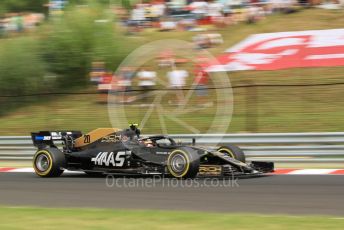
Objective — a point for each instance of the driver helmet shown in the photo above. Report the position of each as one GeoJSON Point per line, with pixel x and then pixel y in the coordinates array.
{"type": "Point", "coordinates": [148, 143]}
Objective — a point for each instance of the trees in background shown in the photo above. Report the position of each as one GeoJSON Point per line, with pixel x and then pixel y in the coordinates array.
{"type": "Point", "coordinates": [23, 6]}
{"type": "Point", "coordinates": [63, 48]}
{"type": "Point", "coordinates": [80, 36]}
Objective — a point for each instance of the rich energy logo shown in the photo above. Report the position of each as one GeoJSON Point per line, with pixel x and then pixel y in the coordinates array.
{"type": "Point", "coordinates": [210, 170]}
{"type": "Point", "coordinates": [112, 138]}
{"type": "Point", "coordinates": [109, 159]}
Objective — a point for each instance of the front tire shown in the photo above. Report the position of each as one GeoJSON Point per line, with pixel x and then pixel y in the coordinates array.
{"type": "Point", "coordinates": [233, 151]}
{"type": "Point", "coordinates": [49, 162]}
{"type": "Point", "coordinates": [183, 163]}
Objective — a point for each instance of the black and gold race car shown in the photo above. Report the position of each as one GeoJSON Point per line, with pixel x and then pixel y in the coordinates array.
{"type": "Point", "coordinates": [110, 150]}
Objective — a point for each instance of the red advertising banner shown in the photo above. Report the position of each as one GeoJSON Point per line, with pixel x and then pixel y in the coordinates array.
{"type": "Point", "coordinates": [273, 51]}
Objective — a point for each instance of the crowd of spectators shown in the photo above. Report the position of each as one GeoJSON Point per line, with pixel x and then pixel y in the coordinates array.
{"type": "Point", "coordinates": [189, 15]}
{"type": "Point", "coordinates": [19, 22]}
{"type": "Point", "coordinates": [136, 85]}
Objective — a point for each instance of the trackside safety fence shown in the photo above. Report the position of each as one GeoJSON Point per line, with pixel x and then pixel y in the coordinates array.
{"type": "Point", "coordinates": [278, 147]}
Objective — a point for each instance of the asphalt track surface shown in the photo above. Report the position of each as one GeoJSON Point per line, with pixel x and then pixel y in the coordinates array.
{"type": "Point", "coordinates": [284, 194]}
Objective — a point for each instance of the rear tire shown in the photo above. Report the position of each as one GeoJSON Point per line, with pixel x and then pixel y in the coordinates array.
{"type": "Point", "coordinates": [233, 151]}
{"type": "Point", "coordinates": [183, 163]}
{"type": "Point", "coordinates": [49, 162]}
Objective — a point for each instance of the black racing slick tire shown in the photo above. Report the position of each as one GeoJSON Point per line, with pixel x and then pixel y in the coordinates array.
{"type": "Point", "coordinates": [49, 162]}
{"type": "Point", "coordinates": [233, 151]}
{"type": "Point", "coordinates": [183, 163]}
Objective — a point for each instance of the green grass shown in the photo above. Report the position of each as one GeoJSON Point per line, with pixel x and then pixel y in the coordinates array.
{"type": "Point", "coordinates": [274, 109]}
{"type": "Point", "coordinates": [43, 218]}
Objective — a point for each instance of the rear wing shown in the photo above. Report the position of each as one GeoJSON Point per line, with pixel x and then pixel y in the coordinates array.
{"type": "Point", "coordinates": [47, 138]}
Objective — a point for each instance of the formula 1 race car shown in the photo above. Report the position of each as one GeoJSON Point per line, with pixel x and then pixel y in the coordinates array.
{"type": "Point", "coordinates": [109, 150]}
